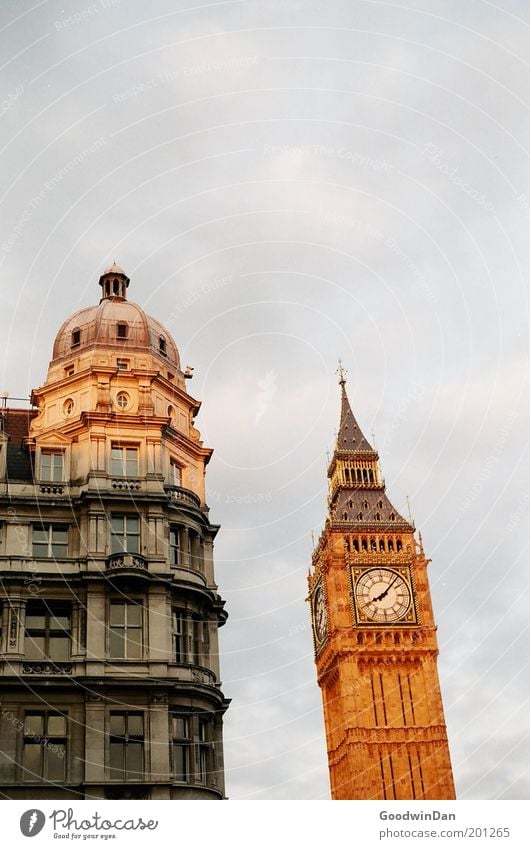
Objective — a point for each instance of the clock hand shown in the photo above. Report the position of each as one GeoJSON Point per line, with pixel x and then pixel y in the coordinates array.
{"type": "Point", "coordinates": [383, 594]}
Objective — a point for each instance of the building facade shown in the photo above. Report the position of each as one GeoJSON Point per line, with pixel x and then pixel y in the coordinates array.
{"type": "Point", "coordinates": [109, 670]}
{"type": "Point", "coordinates": [375, 638]}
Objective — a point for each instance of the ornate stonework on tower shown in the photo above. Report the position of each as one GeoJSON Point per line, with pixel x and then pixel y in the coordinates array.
{"type": "Point", "coordinates": [375, 637]}
{"type": "Point", "coordinates": [109, 610]}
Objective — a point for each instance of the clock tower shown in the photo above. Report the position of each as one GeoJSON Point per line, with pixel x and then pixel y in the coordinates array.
{"type": "Point", "coordinates": [375, 637]}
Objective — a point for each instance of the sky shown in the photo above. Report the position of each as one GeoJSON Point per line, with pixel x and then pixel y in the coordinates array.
{"type": "Point", "coordinates": [287, 183]}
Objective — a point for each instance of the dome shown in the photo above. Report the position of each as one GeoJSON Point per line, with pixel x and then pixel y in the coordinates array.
{"type": "Point", "coordinates": [115, 322]}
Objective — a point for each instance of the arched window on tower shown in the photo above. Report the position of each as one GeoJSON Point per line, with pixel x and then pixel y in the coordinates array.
{"type": "Point", "coordinates": [116, 287]}
{"type": "Point", "coordinates": [381, 545]}
{"type": "Point", "coordinates": [399, 545]}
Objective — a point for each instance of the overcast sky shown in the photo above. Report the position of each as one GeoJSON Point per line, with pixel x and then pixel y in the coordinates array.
{"type": "Point", "coordinates": [287, 182]}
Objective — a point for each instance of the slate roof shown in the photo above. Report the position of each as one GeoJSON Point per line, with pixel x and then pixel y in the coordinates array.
{"type": "Point", "coordinates": [350, 437]}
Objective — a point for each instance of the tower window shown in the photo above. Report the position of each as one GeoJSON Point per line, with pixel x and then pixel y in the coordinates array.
{"type": "Point", "coordinates": [69, 370]}
{"type": "Point", "coordinates": [345, 516]}
{"type": "Point", "coordinates": [76, 337]}
{"type": "Point", "coordinates": [350, 503]}
{"type": "Point", "coordinates": [126, 746]}
{"type": "Point", "coordinates": [116, 287]}
{"type": "Point", "coordinates": [51, 465]}
{"type": "Point", "coordinates": [365, 505]}
{"type": "Point", "coordinates": [359, 515]}
{"type": "Point", "coordinates": [125, 533]}
{"type": "Point", "coordinates": [122, 330]}
{"type": "Point", "coordinates": [381, 545]}
{"type": "Point", "coordinates": [399, 545]}
{"type": "Point", "coordinates": [123, 365]}
{"type": "Point", "coordinates": [44, 746]}
{"type": "Point", "coordinates": [125, 630]}
{"type": "Point", "coordinates": [378, 517]}
{"type": "Point", "coordinates": [47, 634]}
{"type": "Point", "coordinates": [380, 505]}
{"type": "Point", "coordinates": [162, 346]}
{"type": "Point", "coordinates": [392, 517]}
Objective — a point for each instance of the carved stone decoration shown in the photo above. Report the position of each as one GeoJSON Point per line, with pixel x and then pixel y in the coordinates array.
{"type": "Point", "coordinates": [13, 627]}
{"type": "Point", "coordinates": [37, 667]}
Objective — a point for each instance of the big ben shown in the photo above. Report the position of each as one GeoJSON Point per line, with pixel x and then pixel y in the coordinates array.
{"type": "Point", "coordinates": [375, 637]}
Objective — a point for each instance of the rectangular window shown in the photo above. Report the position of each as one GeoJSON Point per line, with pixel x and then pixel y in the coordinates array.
{"type": "Point", "coordinates": [50, 541]}
{"type": "Point", "coordinates": [126, 749]}
{"type": "Point", "coordinates": [175, 473]}
{"type": "Point", "coordinates": [126, 631]}
{"type": "Point", "coordinates": [124, 461]}
{"type": "Point", "coordinates": [181, 747]}
{"type": "Point", "coordinates": [44, 746]}
{"type": "Point", "coordinates": [190, 638]}
{"type": "Point", "coordinates": [121, 330]}
{"type": "Point", "coordinates": [123, 365]}
{"type": "Point", "coordinates": [125, 533]}
{"type": "Point", "coordinates": [204, 748]}
{"type": "Point", "coordinates": [174, 545]}
{"type": "Point", "coordinates": [47, 633]}
{"type": "Point", "coordinates": [68, 371]}
{"type": "Point", "coordinates": [51, 466]}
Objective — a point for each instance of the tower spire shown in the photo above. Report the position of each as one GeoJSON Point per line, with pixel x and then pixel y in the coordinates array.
{"type": "Point", "coordinates": [350, 436]}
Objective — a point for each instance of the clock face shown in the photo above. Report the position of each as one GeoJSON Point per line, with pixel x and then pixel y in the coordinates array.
{"type": "Point", "coordinates": [320, 614]}
{"type": "Point", "coordinates": [382, 595]}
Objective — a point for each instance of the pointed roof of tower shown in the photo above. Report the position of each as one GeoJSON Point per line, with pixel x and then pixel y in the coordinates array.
{"type": "Point", "coordinates": [350, 436]}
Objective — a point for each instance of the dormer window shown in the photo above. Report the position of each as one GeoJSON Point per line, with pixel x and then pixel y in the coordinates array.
{"type": "Point", "coordinates": [122, 330]}
{"type": "Point", "coordinates": [162, 346]}
{"type": "Point", "coordinates": [380, 505]}
{"type": "Point", "coordinates": [365, 505]}
{"type": "Point", "coordinates": [76, 337]}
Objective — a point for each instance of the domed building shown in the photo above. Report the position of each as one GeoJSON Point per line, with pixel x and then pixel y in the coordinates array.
{"type": "Point", "coordinates": [109, 672]}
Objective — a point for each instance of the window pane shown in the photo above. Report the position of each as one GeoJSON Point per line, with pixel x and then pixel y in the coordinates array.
{"type": "Point", "coordinates": [60, 621]}
{"type": "Point", "coordinates": [132, 525]}
{"type": "Point", "coordinates": [33, 760]}
{"type": "Point", "coordinates": [180, 726]}
{"type": "Point", "coordinates": [135, 725]}
{"type": "Point", "coordinates": [34, 725]}
{"type": "Point", "coordinates": [59, 534]}
{"type": "Point", "coordinates": [34, 647]}
{"type": "Point", "coordinates": [117, 613]}
{"type": "Point", "coordinates": [135, 760]}
{"type": "Point", "coordinates": [132, 461]}
{"type": "Point", "coordinates": [57, 467]}
{"type": "Point", "coordinates": [46, 467]}
{"type": "Point", "coordinates": [56, 726]}
{"type": "Point", "coordinates": [34, 619]}
{"type": "Point", "coordinates": [55, 761]}
{"type": "Point", "coordinates": [59, 550]}
{"type": "Point", "coordinates": [117, 524]}
{"type": "Point", "coordinates": [40, 534]}
{"type": "Point", "coordinates": [117, 644]}
{"type": "Point", "coordinates": [40, 550]}
{"type": "Point", "coordinates": [134, 614]}
{"type": "Point", "coordinates": [134, 644]}
{"type": "Point", "coordinates": [133, 544]}
{"type": "Point", "coordinates": [59, 648]}
{"type": "Point", "coordinates": [181, 762]}
{"type": "Point", "coordinates": [116, 760]}
{"type": "Point", "coordinates": [116, 456]}
{"type": "Point", "coordinates": [117, 724]}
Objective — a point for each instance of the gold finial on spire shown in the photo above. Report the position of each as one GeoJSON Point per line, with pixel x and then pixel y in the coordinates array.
{"type": "Point", "coordinates": [342, 372]}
